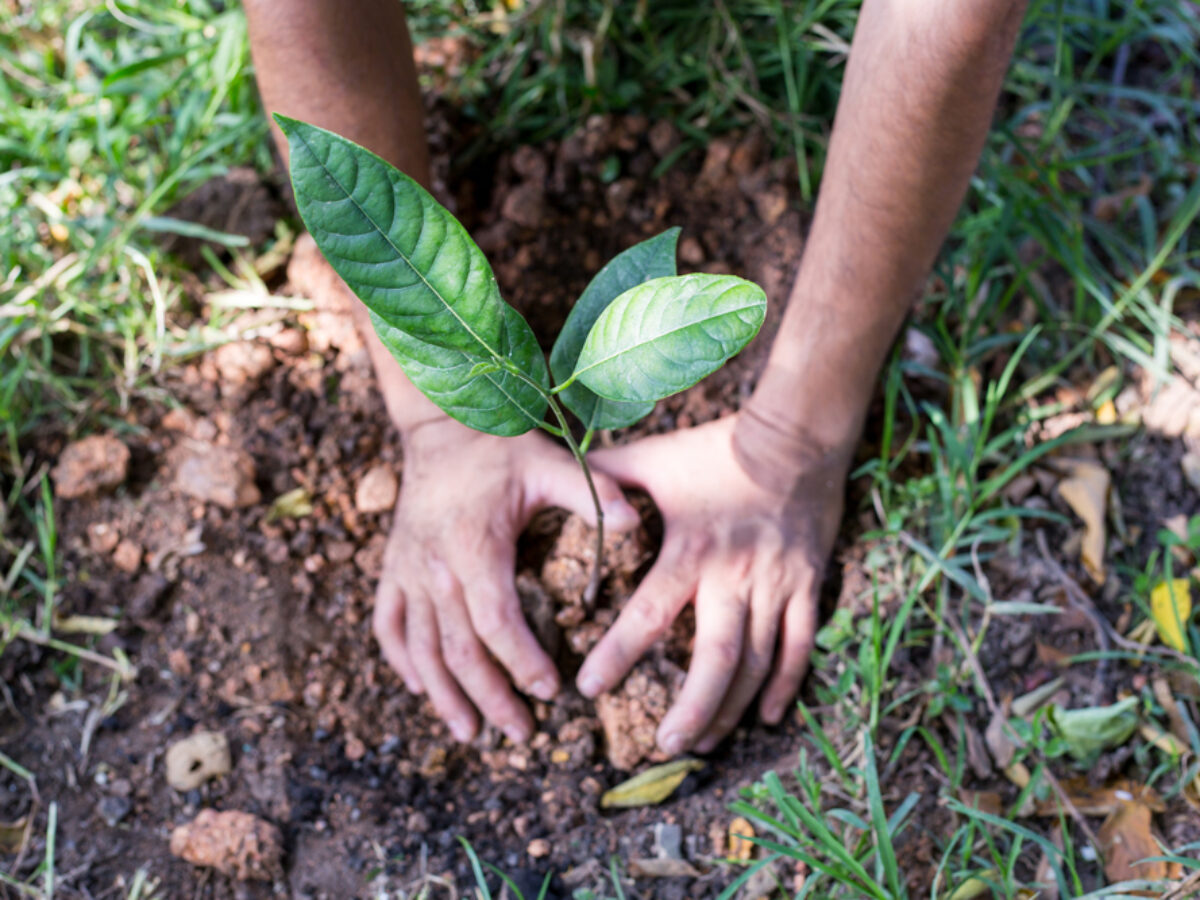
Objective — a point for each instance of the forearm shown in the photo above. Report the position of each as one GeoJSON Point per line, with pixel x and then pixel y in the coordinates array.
{"type": "Point", "coordinates": [354, 75]}
{"type": "Point", "coordinates": [920, 88]}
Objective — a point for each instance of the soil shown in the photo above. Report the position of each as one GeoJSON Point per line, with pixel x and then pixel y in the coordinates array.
{"type": "Point", "coordinates": [247, 613]}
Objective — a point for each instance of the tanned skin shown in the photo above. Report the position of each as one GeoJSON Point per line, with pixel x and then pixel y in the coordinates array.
{"type": "Point", "coordinates": [751, 503]}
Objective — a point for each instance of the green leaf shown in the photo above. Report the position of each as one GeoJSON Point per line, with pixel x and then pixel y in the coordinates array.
{"type": "Point", "coordinates": [653, 258]}
{"type": "Point", "coordinates": [398, 249]}
{"type": "Point", "coordinates": [663, 336]}
{"type": "Point", "coordinates": [476, 392]}
{"type": "Point", "coordinates": [1089, 731]}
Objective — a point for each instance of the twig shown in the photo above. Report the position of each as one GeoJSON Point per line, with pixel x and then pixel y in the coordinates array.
{"type": "Point", "coordinates": [1189, 887]}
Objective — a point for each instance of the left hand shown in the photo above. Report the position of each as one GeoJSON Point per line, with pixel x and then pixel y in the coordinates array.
{"type": "Point", "coordinates": [752, 561]}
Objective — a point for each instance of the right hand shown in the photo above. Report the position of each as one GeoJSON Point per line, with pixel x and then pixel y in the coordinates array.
{"type": "Point", "coordinates": [447, 616]}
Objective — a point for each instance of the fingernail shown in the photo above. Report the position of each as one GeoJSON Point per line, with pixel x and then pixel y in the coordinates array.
{"type": "Point", "coordinates": [673, 743]}
{"type": "Point", "coordinates": [543, 689]}
{"type": "Point", "coordinates": [589, 685]}
{"type": "Point", "coordinates": [516, 734]}
{"type": "Point", "coordinates": [461, 729]}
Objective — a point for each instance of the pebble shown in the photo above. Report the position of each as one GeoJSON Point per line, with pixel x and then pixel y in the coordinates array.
{"type": "Point", "coordinates": [220, 475]}
{"type": "Point", "coordinates": [234, 843]}
{"type": "Point", "coordinates": [538, 848]}
{"type": "Point", "coordinates": [128, 556]}
{"type": "Point", "coordinates": [377, 490]}
{"type": "Point", "coordinates": [193, 760]}
{"type": "Point", "coordinates": [95, 463]}
{"type": "Point", "coordinates": [113, 809]}
{"type": "Point", "coordinates": [103, 537]}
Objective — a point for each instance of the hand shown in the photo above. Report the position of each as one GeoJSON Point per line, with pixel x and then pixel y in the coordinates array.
{"type": "Point", "coordinates": [447, 616]}
{"type": "Point", "coordinates": [750, 558]}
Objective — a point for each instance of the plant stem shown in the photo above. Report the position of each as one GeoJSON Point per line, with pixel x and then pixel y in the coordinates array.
{"type": "Point", "coordinates": [593, 587]}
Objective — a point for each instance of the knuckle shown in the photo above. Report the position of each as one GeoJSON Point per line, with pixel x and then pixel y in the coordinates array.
{"type": "Point", "coordinates": [756, 666]}
{"type": "Point", "coordinates": [459, 654]}
{"type": "Point", "coordinates": [494, 619]}
{"type": "Point", "coordinates": [725, 653]}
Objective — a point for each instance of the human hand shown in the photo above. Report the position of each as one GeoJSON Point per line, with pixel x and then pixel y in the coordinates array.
{"type": "Point", "coordinates": [750, 558]}
{"type": "Point", "coordinates": [447, 616]}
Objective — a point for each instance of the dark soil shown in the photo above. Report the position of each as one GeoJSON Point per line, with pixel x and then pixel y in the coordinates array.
{"type": "Point", "coordinates": [259, 627]}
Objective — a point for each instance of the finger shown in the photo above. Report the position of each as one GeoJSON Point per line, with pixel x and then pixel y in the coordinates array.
{"type": "Point", "coordinates": [667, 588]}
{"type": "Point", "coordinates": [496, 617]}
{"type": "Point", "coordinates": [795, 646]}
{"type": "Point", "coordinates": [762, 632]}
{"type": "Point", "coordinates": [424, 644]}
{"type": "Point", "coordinates": [387, 621]}
{"type": "Point", "coordinates": [558, 481]}
{"type": "Point", "coordinates": [474, 670]}
{"type": "Point", "coordinates": [720, 625]}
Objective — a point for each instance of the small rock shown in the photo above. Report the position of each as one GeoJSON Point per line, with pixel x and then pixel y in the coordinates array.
{"type": "Point", "coordinates": [771, 203]}
{"type": "Point", "coordinates": [370, 558]}
{"type": "Point", "coordinates": [95, 463]}
{"type": "Point", "coordinates": [525, 205]}
{"type": "Point", "coordinates": [668, 841]}
{"type": "Point", "coordinates": [664, 137]}
{"type": "Point", "coordinates": [417, 823]}
{"type": "Point", "coordinates": [242, 362]}
{"type": "Point", "coordinates": [220, 475]}
{"type": "Point", "coordinates": [690, 251]}
{"type": "Point", "coordinates": [292, 341]}
{"type": "Point", "coordinates": [128, 556]}
{"type": "Point", "coordinates": [530, 163]}
{"type": "Point", "coordinates": [377, 491]}
{"type": "Point", "coordinates": [147, 593]}
{"type": "Point", "coordinates": [103, 537]}
{"type": "Point", "coordinates": [195, 759]}
{"type": "Point", "coordinates": [538, 848]}
{"type": "Point", "coordinates": [716, 160]}
{"type": "Point", "coordinates": [617, 196]}
{"type": "Point", "coordinates": [113, 809]}
{"type": "Point", "coordinates": [178, 419]}
{"type": "Point", "coordinates": [234, 843]}
{"type": "Point", "coordinates": [355, 748]}
{"type": "Point", "coordinates": [178, 662]}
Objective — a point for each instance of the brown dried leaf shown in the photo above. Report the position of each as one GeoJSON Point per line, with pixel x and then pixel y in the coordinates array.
{"type": "Point", "coordinates": [1085, 490]}
{"type": "Point", "coordinates": [662, 868]}
{"type": "Point", "coordinates": [1091, 800]}
{"type": "Point", "coordinates": [1126, 839]}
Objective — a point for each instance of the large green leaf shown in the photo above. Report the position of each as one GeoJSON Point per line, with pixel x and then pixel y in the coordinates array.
{"type": "Point", "coordinates": [663, 336]}
{"type": "Point", "coordinates": [653, 258]}
{"type": "Point", "coordinates": [493, 400]}
{"type": "Point", "coordinates": [398, 249]}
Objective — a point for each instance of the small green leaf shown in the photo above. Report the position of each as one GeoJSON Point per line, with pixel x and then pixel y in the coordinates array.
{"type": "Point", "coordinates": [398, 249]}
{"type": "Point", "coordinates": [663, 336]}
{"type": "Point", "coordinates": [1089, 731]}
{"type": "Point", "coordinates": [478, 393]}
{"type": "Point", "coordinates": [653, 786]}
{"type": "Point", "coordinates": [653, 258]}
{"type": "Point", "coordinates": [295, 504]}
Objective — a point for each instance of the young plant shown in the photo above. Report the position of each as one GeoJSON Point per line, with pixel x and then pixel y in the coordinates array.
{"type": "Point", "coordinates": [637, 334]}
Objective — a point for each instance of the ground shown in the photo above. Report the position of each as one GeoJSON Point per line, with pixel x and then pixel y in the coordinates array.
{"type": "Point", "coordinates": [229, 529]}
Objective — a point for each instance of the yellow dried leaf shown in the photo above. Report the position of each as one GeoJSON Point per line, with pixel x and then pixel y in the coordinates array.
{"type": "Point", "coordinates": [13, 835]}
{"type": "Point", "coordinates": [1085, 490]}
{"type": "Point", "coordinates": [741, 844]}
{"type": "Point", "coordinates": [1171, 607]}
{"type": "Point", "coordinates": [1163, 740]}
{"type": "Point", "coordinates": [1106, 414]}
{"type": "Point", "coordinates": [97, 625]}
{"type": "Point", "coordinates": [976, 887]}
{"type": "Point", "coordinates": [653, 786]}
{"type": "Point", "coordinates": [295, 504]}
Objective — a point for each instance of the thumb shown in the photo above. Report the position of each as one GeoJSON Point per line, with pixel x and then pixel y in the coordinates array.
{"type": "Point", "coordinates": [561, 482]}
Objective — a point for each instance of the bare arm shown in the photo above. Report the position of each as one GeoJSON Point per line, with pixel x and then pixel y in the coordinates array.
{"type": "Point", "coordinates": [752, 503]}
{"type": "Point", "coordinates": [446, 615]}
{"type": "Point", "coordinates": [920, 88]}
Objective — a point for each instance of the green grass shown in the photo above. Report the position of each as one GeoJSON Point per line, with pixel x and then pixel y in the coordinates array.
{"type": "Point", "coordinates": [110, 114]}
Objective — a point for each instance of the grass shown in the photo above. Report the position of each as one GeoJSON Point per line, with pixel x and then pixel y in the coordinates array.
{"type": "Point", "coordinates": [1072, 255]}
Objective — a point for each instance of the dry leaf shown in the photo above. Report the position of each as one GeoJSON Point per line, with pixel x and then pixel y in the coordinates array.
{"type": "Point", "coordinates": [13, 835]}
{"type": "Point", "coordinates": [653, 786]}
{"type": "Point", "coordinates": [1126, 840]}
{"type": "Point", "coordinates": [1171, 608]}
{"type": "Point", "coordinates": [95, 625]}
{"type": "Point", "coordinates": [976, 887]}
{"type": "Point", "coordinates": [1163, 740]}
{"type": "Point", "coordinates": [741, 834]}
{"type": "Point", "coordinates": [1091, 800]}
{"type": "Point", "coordinates": [295, 504]}
{"type": "Point", "coordinates": [1106, 414]}
{"type": "Point", "coordinates": [989, 802]}
{"type": "Point", "coordinates": [662, 868]}
{"type": "Point", "coordinates": [1085, 490]}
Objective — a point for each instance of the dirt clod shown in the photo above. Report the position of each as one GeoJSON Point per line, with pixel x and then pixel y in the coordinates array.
{"type": "Point", "coordinates": [234, 843]}
{"type": "Point", "coordinates": [127, 556]}
{"type": "Point", "coordinates": [630, 715]}
{"type": "Point", "coordinates": [196, 759]}
{"type": "Point", "coordinates": [97, 462]}
{"type": "Point", "coordinates": [377, 491]}
{"type": "Point", "coordinates": [220, 475]}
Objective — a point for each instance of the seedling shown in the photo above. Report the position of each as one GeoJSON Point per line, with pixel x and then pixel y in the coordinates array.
{"type": "Point", "coordinates": [637, 334]}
